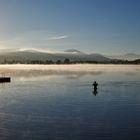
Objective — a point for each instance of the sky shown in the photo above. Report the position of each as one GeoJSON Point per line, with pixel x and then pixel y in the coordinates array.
{"type": "Point", "coordinates": [93, 26]}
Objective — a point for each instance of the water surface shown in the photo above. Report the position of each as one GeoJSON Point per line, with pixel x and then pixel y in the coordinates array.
{"type": "Point", "coordinates": [38, 105]}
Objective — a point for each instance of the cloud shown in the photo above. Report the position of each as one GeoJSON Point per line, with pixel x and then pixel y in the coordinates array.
{"type": "Point", "coordinates": [34, 39]}
{"type": "Point", "coordinates": [43, 50]}
{"type": "Point", "coordinates": [58, 37]}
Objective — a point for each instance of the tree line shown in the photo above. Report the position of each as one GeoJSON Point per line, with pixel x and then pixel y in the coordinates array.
{"type": "Point", "coordinates": [68, 61]}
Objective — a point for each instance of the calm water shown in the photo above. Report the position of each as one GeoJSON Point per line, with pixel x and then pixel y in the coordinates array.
{"type": "Point", "coordinates": [64, 107]}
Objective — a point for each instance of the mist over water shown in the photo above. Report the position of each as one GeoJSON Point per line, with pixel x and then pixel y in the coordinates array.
{"type": "Point", "coordinates": [48, 103]}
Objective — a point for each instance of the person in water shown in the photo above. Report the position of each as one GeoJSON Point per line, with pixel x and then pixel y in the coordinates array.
{"type": "Point", "coordinates": [95, 84]}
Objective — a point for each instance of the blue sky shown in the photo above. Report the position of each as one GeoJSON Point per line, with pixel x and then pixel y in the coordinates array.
{"type": "Point", "coordinates": [97, 26]}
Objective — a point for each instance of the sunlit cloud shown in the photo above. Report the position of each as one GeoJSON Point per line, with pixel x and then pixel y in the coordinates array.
{"type": "Point", "coordinates": [42, 50]}
{"type": "Point", "coordinates": [58, 37]}
{"type": "Point", "coordinates": [34, 40]}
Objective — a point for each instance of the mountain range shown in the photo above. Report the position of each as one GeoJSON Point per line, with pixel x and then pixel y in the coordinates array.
{"type": "Point", "coordinates": [128, 56]}
{"type": "Point", "coordinates": [72, 54]}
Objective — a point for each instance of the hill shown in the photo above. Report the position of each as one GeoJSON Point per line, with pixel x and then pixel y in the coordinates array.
{"type": "Point", "coordinates": [31, 55]}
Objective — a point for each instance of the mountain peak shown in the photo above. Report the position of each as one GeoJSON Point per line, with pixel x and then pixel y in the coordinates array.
{"type": "Point", "coordinates": [73, 51]}
{"type": "Point", "coordinates": [130, 54]}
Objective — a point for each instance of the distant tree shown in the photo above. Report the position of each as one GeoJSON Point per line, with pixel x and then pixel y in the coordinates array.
{"type": "Point", "coordinates": [49, 62]}
{"type": "Point", "coordinates": [137, 61]}
{"type": "Point", "coordinates": [58, 62]}
{"type": "Point", "coordinates": [66, 61]}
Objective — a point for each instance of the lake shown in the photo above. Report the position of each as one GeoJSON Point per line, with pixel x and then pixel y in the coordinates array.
{"type": "Point", "coordinates": [58, 102]}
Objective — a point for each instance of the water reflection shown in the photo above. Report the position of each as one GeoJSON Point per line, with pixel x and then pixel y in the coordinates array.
{"type": "Point", "coordinates": [95, 92]}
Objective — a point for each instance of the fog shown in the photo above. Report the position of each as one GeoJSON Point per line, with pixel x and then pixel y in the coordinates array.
{"type": "Point", "coordinates": [20, 70]}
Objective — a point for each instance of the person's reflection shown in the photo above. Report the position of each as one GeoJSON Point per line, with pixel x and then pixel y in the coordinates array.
{"type": "Point", "coordinates": [95, 92]}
